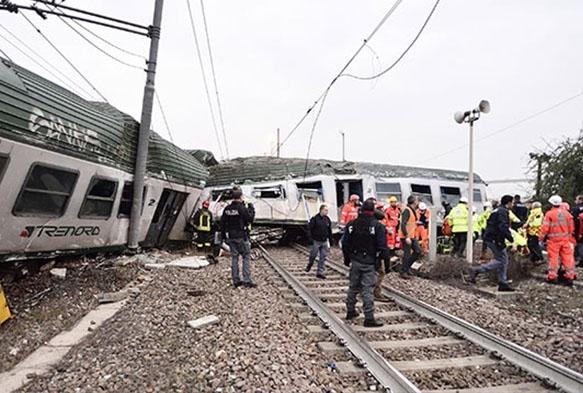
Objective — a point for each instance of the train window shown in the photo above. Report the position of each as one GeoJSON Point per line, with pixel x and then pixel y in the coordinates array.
{"type": "Point", "coordinates": [221, 195]}
{"type": "Point", "coordinates": [127, 196]}
{"type": "Point", "coordinates": [99, 199]}
{"type": "Point", "coordinates": [3, 165]}
{"type": "Point", "coordinates": [269, 192]}
{"type": "Point", "coordinates": [450, 194]}
{"type": "Point", "coordinates": [312, 190]}
{"type": "Point", "coordinates": [477, 195]}
{"type": "Point", "coordinates": [386, 190]}
{"type": "Point", "coordinates": [46, 192]}
{"type": "Point", "coordinates": [423, 192]}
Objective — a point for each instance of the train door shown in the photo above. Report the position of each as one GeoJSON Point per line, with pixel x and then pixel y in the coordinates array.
{"type": "Point", "coordinates": [345, 188]}
{"type": "Point", "coordinates": [163, 220]}
{"type": "Point", "coordinates": [311, 197]}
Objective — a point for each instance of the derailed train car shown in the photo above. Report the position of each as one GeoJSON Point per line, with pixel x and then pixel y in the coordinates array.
{"type": "Point", "coordinates": [286, 192]}
{"type": "Point", "coordinates": [66, 174]}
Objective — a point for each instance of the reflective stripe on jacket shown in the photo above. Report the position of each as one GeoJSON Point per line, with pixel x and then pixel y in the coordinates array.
{"type": "Point", "coordinates": [458, 218]}
{"type": "Point", "coordinates": [558, 225]}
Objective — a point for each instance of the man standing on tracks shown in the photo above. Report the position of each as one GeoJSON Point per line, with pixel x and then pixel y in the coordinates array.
{"type": "Point", "coordinates": [364, 245]}
{"type": "Point", "coordinates": [320, 234]}
{"type": "Point", "coordinates": [558, 228]}
{"type": "Point", "coordinates": [235, 221]}
{"type": "Point", "coordinates": [497, 231]}
{"type": "Point", "coordinates": [408, 235]}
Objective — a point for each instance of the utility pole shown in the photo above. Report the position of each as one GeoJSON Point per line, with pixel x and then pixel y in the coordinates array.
{"type": "Point", "coordinates": [278, 143]}
{"type": "Point", "coordinates": [144, 134]}
{"type": "Point", "coordinates": [343, 151]}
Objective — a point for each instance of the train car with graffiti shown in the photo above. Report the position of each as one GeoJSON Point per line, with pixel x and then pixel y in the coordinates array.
{"type": "Point", "coordinates": [286, 192]}
{"type": "Point", "coordinates": [66, 174]}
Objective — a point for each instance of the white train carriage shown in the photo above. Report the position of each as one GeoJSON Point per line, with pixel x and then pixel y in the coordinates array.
{"type": "Point", "coordinates": [66, 174]}
{"type": "Point", "coordinates": [286, 193]}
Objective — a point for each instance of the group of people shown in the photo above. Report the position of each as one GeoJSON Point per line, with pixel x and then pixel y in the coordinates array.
{"type": "Point", "coordinates": [234, 229]}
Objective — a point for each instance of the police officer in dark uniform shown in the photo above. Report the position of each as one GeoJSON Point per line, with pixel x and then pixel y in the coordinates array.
{"type": "Point", "coordinates": [364, 246]}
{"type": "Point", "coordinates": [235, 226]}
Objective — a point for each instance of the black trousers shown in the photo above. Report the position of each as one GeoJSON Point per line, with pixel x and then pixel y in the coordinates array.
{"type": "Point", "coordinates": [535, 251]}
{"type": "Point", "coordinates": [459, 243]}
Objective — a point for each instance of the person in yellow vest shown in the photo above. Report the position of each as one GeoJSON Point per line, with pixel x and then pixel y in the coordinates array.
{"type": "Point", "coordinates": [533, 225]}
{"type": "Point", "coordinates": [476, 229]}
{"type": "Point", "coordinates": [203, 222]}
{"type": "Point", "coordinates": [408, 235]}
{"type": "Point", "coordinates": [458, 218]}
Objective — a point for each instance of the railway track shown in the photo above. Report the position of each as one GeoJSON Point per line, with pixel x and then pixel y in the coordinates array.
{"type": "Point", "coordinates": [420, 348]}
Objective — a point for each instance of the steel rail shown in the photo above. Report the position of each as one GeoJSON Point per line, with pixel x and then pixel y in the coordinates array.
{"type": "Point", "coordinates": [387, 375]}
{"type": "Point", "coordinates": [546, 369]}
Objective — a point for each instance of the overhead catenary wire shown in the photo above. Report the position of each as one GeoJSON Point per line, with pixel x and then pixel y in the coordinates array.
{"type": "Point", "coordinates": [312, 132]}
{"type": "Point", "coordinates": [208, 42]}
{"type": "Point", "coordinates": [367, 78]}
{"type": "Point", "coordinates": [64, 57]}
{"type": "Point", "coordinates": [370, 36]}
{"type": "Point", "coordinates": [204, 78]}
{"type": "Point", "coordinates": [71, 85]}
{"type": "Point", "coordinates": [489, 135]}
{"type": "Point", "coordinates": [94, 45]}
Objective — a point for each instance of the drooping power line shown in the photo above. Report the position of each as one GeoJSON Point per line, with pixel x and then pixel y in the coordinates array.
{"type": "Point", "coordinates": [367, 78]}
{"type": "Point", "coordinates": [208, 42]}
{"type": "Point", "coordinates": [64, 57]}
{"type": "Point", "coordinates": [370, 36]}
{"type": "Point", "coordinates": [204, 79]}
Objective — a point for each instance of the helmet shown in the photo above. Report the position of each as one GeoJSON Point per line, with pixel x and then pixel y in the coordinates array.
{"type": "Point", "coordinates": [463, 200]}
{"type": "Point", "coordinates": [473, 209]}
{"type": "Point", "coordinates": [354, 197]}
{"type": "Point", "coordinates": [393, 199]}
{"type": "Point", "coordinates": [206, 204]}
{"type": "Point", "coordinates": [565, 206]}
{"type": "Point", "coordinates": [487, 205]}
{"type": "Point", "coordinates": [555, 200]}
{"type": "Point", "coordinates": [536, 204]}
{"type": "Point", "coordinates": [422, 206]}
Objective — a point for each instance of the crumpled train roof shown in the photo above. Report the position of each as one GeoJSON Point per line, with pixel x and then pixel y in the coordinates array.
{"type": "Point", "coordinates": [261, 169]}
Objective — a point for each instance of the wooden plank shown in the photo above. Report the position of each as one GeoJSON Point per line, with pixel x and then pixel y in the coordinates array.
{"type": "Point", "coordinates": [424, 342]}
{"type": "Point", "coordinates": [391, 327]}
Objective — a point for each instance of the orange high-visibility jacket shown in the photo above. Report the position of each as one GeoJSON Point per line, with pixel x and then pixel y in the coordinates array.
{"type": "Point", "coordinates": [410, 225]}
{"type": "Point", "coordinates": [349, 213]}
{"type": "Point", "coordinates": [557, 225]}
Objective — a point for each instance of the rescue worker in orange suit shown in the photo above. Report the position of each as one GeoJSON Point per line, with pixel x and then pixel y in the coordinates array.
{"type": "Point", "coordinates": [203, 222]}
{"type": "Point", "coordinates": [408, 235]}
{"type": "Point", "coordinates": [557, 229]}
{"type": "Point", "coordinates": [577, 213]}
{"type": "Point", "coordinates": [392, 214]}
{"type": "Point", "coordinates": [533, 226]}
{"type": "Point", "coordinates": [349, 211]}
{"type": "Point", "coordinates": [423, 226]}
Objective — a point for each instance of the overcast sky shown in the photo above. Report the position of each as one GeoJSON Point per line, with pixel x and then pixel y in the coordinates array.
{"type": "Point", "coordinates": [273, 59]}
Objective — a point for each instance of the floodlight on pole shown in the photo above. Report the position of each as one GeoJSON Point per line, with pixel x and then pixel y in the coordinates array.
{"type": "Point", "coordinates": [470, 117]}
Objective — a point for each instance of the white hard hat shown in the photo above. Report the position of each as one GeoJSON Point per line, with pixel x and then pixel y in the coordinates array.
{"type": "Point", "coordinates": [422, 206]}
{"type": "Point", "coordinates": [487, 204]}
{"type": "Point", "coordinates": [555, 200]}
{"type": "Point", "coordinates": [463, 200]}
{"type": "Point", "coordinates": [473, 209]}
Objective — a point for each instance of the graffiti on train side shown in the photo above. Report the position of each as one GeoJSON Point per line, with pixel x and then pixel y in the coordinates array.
{"type": "Point", "coordinates": [54, 127]}
{"type": "Point", "coordinates": [60, 231]}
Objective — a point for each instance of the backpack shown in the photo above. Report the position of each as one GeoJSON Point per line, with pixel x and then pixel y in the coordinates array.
{"type": "Point", "coordinates": [446, 228]}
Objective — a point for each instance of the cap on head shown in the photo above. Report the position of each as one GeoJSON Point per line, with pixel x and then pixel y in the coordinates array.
{"type": "Point", "coordinates": [555, 200]}
{"type": "Point", "coordinates": [422, 206]}
{"type": "Point", "coordinates": [206, 204]}
{"type": "Point", "coordinates": [393, 199]}
{"type": "Point", "coordinates": [463, 200]}
{"type": "Point", "coordinates": [354, 198]}
{"type": "Point", "coordinates": [506, 198]}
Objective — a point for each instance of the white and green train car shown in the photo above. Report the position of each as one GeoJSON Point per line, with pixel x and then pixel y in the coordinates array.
{"type": "Point", "coordinates": [286, 192]}
{"type": "Point", "coordinates": [66, 174]}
